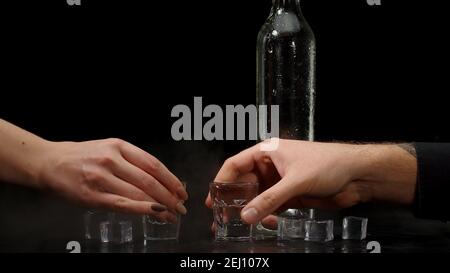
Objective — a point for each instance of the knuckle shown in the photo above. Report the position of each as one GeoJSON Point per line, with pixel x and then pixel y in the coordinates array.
{"type": "Point", "coordinates": [91, 176]}
{"type": "Point", "coordinates": [142, 197]}
{"type": "Point", "coordinates": [139, 196]}
{"type": "Point", "coordinates": [87, 196]}
{"type": "Point", "coordinates": [105, 161]}
{"type": "Point", "coordinates": [148, 183]}
{"type": "Point", "coordinates": [119, 204]}
{"type": "Point", "coordinates": [115, 142]}
{"type": "Point", "coordinates": [230, 164]}
{"type": "Point", "coordinates": [173, 201]}
{"type": "Point", "coordinates": [142, 177]}
{"type": "Point", "coordinates": [345, 200]}
{"type": "Point", "coordinates": [179, 188]}
{"type": "Point", "coordinates": [154, 165]}
{"type": "Point", "coordinates": [85, 192]}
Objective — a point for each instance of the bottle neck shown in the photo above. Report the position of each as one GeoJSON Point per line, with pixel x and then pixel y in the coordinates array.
{"type": "Point", "coordinates": [287, 6]}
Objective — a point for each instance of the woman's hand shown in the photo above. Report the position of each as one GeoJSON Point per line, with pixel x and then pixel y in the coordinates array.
{"type": "Point", "coordinates": [111, 174]}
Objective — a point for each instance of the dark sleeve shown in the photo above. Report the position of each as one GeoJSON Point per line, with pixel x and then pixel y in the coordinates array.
{"type": "Point", "coordinates": [432, 199]}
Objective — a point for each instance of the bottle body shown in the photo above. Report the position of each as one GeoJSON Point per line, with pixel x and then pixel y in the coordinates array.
{"type": "Point", "coordinates": [286, 63]}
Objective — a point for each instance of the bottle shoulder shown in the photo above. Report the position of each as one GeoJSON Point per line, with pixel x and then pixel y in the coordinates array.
{"type": "Point", "coordinates": [285, 24]}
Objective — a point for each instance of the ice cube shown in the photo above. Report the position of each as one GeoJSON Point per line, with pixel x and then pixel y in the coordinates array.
{"type": "Point", "coordinates": [354, 228]}
{"type": "Point", "coordinates": [319, 231]}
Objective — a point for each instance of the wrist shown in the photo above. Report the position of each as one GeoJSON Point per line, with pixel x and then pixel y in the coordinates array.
{"type": "Point", "coordinates": [39, 158]}
{"type": "Point", "coordinates": [388, 172]}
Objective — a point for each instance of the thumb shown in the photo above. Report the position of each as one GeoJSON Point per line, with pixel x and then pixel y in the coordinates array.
{"type": "Point", "coordinates": [268, 201]}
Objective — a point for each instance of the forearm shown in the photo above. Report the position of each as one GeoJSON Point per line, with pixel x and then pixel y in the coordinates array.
{"type": "Point", "coordinates": [390, 171]}
{"type": "Point", "coordinates": [20, 155]}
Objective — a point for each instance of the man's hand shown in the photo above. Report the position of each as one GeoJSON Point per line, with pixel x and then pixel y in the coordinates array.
{"type": "Point", "coordinates": [320, 175]}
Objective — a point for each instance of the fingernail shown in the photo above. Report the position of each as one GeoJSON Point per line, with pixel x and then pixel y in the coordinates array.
{"type": "Point", "coordinates": [181, 209]}
{"type": "Point", "coordinates": [182, 195]}
{"type": "Point", "coordinates": [250, 215]}
{"type": "Point", "coordinates": [158, 207]}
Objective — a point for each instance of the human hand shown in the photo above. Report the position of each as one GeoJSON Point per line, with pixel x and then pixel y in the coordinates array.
{"type": "Point", "coordinates": [320, 175]}
{"type": "Point", "coordinates": [111, 174]}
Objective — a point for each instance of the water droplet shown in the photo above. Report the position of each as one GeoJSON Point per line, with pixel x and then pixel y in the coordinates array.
{"type": "Point", "coordinates": [270, 47]}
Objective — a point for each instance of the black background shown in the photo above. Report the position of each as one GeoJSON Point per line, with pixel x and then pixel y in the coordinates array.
{"type": "Point", "coordinates": [117, 68]}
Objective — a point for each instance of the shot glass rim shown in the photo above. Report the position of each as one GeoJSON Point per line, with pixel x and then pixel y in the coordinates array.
{"type": "Point", "coordinates": [355, 218]}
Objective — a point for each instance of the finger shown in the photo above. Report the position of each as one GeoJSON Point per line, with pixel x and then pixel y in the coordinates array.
{"type": "Point", "coordinates": [125, 205]}
{"type": "Point", "coordinates": [249, 177]}
{"type": "Point", "coordinates": [169, 216]}
{"type": "Point", "coordinates": [208, 201]}
{"type": "Point", "coordinates": [154, 167]}
{"type": "Point", "coordinates": [112, 184]}
{"type": "Point", "coordinates": [267, 202]}
{"type": "Point", "coordinates": [270, 222]}
{"type": "Point", "coordinates": [236, 166]}
{"type": "Point", "coordinates": [240, 164]}
{"type": "Point", "coordinates": [268, 173]}
{"type": "Point", "coordinates": [149, 185]}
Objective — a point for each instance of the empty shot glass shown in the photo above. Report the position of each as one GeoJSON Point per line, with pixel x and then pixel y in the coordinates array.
{"type": "Point", "coordinates": [319, 231]}
{"type": "Point", "coordinates": [354, 228]}
{"type": "Point", "coordinates": [158, 230]}
{"type": "Point", "coordinates": [228, 201]}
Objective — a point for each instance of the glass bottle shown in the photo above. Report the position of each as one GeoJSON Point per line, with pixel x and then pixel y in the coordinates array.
{"type": "Point", "coordinates": [286, 66]}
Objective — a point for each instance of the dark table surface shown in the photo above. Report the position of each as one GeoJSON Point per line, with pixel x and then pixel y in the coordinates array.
{"type": "Point", "coordinates": [393, 244]}
{"type": "Point", "coordinates": [396, 230]}
{"type": "Point", "coordinates": [31, 221]}
{"type": "Point", "coordinates": [418, 237]}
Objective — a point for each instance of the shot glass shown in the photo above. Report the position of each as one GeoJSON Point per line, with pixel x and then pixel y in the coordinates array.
{"type": "Point", "coordinates": [228, 201]}
{"type": "Point", "coordinates": [157, 230]}
{"type": "Point", "coordinates": [319, 231]}
{"type": "Point", "coordinates": [354, 228]}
